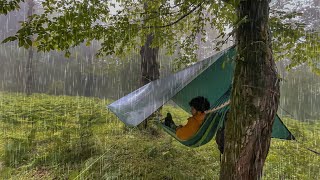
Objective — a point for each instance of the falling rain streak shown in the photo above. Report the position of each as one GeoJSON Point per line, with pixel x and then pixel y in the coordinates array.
{"type": "Point", "coordinates": [53, 117]}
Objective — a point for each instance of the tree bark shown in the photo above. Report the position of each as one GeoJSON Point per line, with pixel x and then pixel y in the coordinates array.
{"type": "Point", "coordinates": [149, 66]}
{"type": "Point", "coordinates": [29, 72]}
{"type": "Point", "coordinates": [255, 96]}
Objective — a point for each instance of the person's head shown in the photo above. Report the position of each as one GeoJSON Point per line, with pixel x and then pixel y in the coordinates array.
{"type": "Point", "coordinates": [200, 104]}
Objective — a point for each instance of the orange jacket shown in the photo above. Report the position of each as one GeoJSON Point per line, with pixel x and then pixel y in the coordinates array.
{"type": "Point", "coordinates": [187, 131]}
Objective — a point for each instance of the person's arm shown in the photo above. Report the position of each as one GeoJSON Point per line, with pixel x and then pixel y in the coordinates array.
{"type": "Point", "coordinates": [184, 132]}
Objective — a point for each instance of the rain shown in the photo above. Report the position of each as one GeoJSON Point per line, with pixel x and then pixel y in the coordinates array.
{"type": "Point", "coordinates": [87, 87]}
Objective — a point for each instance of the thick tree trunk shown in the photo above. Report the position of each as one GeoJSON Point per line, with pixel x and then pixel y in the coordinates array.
{"type": "Point", "coordinates": [29, 72]}
{"type": "Point", "coordinates": [149, 66]}
{"type": "Point", "coordinates": [255, 96]}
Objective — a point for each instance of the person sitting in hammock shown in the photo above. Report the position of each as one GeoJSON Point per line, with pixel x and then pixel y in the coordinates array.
{"type": "Point", "coordinates": [199, 106]}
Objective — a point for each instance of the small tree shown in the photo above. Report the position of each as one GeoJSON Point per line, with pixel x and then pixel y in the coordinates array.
{"type": "Point", "coordinates": [150, 69]}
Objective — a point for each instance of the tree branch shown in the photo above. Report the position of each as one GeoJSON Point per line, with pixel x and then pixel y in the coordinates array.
{"type": "Point", "coordinates": [179, 19]}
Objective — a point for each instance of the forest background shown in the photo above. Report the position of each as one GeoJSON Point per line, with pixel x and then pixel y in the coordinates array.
{"type": "Point", "coordinates": [64, 127]}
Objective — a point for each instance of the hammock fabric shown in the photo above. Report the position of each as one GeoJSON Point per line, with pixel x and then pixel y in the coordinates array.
{"type": "Point", "coordinates": [215, 120]}
{"type": "Point", "coordinates": [205, 133]}
{"type": "Point", "coordinates": [210, 78]}
{"type": "Point", "coordinates": [209, 127]}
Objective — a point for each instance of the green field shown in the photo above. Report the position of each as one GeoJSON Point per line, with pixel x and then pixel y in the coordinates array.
{"type": "Point", "coordinates": [63, 137]}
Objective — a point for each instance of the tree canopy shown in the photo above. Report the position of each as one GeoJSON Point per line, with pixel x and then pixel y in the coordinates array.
{"type": "Point", "coordinates": [122, 26]}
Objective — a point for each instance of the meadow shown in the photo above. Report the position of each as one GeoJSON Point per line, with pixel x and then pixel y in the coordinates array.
{"type": "Point", "coordinates": [65, 137]}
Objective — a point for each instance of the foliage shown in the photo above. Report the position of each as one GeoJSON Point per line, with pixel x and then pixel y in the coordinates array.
{"type": "Point", "coordinates": [123, 26]}
{"type": "Point", "coordinates": [44, 133]}
{"type": "Point", "coordinates": [292, 40]}
{"type": "Point", "coordinates": [7, 6]}
{"type": "Point", "coordinates": [65, 24]}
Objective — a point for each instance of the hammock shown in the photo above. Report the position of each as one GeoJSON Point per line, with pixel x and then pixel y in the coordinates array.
{"type": "Point", "coordinates": [215, 120]}
{"type": "Point", "coordinates": [205, 133]}
{"type": "Point", "coordinates": [209, 126]}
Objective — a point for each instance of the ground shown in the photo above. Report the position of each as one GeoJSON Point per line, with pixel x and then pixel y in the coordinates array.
{"type": "Point", "coordinates": [61, 137]}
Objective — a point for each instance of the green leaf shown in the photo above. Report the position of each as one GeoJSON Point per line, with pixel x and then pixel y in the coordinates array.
{"type": "Point", "coordinates": [67, 54]}
{"type": "Point", "coordinates": [21, 43]}
{"type": "Point", "coordinates": [8, 39]}
{"type": "Point", "coordinates": [29, 42]}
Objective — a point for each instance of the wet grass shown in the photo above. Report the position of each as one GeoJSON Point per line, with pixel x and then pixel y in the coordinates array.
{"type": "Point", "coordinates": [60, 137]}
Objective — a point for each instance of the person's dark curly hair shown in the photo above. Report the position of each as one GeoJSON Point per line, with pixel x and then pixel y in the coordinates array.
{"type": "Point", "coordinates": [200, 103]}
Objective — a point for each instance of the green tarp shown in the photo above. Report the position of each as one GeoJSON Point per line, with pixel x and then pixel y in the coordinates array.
{"type": "Point", "coordinates": [210, 78]}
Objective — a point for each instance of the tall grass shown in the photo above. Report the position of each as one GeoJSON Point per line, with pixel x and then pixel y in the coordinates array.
{"type": "Point", "coordinates": [61, 137]}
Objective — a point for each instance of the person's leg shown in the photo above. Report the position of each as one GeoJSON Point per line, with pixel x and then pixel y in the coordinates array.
{"type": "Point", "coordinates": [169, 122]}
{"type": "Point", "coordinates": [220, 134]}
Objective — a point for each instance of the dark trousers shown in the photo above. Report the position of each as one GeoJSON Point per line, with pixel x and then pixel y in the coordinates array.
{"type": "Point", "coordinates": [220, 135]}
{"type": "Point", "coordinates": [169, 122]}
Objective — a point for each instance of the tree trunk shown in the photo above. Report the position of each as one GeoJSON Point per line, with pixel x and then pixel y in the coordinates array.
{"type": "Point", "coordinates": [29, 72]}
{"type": "Point", "coordinates": [255, 96]}
{"type": "Point", "coordinates": [149, 66]}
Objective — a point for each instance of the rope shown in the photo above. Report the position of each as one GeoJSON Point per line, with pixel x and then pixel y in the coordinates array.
{"type": "Point", "coordinates": [221, 102]}
{"type": "Point", "coordinates": [218, 108]}
{"type": "Point", "coordinates": [309, 149]}
{"type": "Point", "coordinates": [303, 146]}
{"type": "Point", "coordinates": [286, 111]}
{"type": "Point", "coordinates": [90, 165]}
{"type": "Point", "coordinates": [223, 98]}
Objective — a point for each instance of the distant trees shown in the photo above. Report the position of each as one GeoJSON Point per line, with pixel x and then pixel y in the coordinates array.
{"type": "Point", "coordinates": [255, 92]}
{"type": "Point", "coordinates": [297, 42]}
{"type": "Point", "coordinates": [107, 77]}
{"type": "Point", "coordinates": [296, 33]}
{"type": "Point", "coordinates": [301, 94]}
{"type": "Point", "coordinates": [29, 67]}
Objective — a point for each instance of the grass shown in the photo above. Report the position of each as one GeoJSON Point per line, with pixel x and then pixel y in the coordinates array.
{"type": "Point", "coordinates": [60, 137]}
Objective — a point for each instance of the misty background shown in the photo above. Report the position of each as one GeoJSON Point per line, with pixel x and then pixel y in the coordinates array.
{"type": "Point", "coordinates": [83, 74]}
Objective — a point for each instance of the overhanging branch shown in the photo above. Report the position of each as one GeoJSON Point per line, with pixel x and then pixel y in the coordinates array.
{"type": "Point", "coordinates": [179, 19]}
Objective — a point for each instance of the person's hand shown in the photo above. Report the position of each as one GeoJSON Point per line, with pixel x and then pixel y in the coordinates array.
{"type": "Point", "coordinates": [180, 126]}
